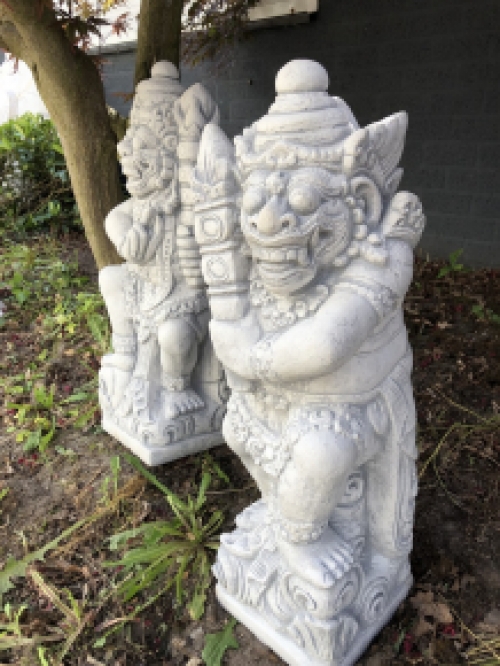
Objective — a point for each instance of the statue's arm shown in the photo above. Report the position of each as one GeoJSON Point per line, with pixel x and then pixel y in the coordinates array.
{"type": "Point", "coordinates": [320, 345]}
{"type": "Point", "coordinates": [135, 240]}
{"type": "Point", "coordinates": [233, 342]}
{"type": "Point", "coordinates": [119, 222]}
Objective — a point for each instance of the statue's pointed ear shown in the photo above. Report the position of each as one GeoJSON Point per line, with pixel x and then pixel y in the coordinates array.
{"type": "Point", "coordinates": [376, 150]}
{"type": "Point", "coordinates": [388, 140]}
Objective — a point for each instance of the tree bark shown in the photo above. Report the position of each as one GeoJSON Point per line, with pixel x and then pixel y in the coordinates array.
{"type": "Point", "coordinates": [71, 88]}
{"type": "Point", "coordinates": [155, 44]}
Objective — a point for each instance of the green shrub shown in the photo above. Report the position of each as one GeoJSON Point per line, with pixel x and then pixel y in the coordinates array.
{"type": "Point", "coordinates": [35, 189]}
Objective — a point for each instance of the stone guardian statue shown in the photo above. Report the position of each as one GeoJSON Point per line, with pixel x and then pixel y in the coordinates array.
{"type": "Point", "coordinates": [161, 390]}
{"type": "Point", "coordinates": [307, 251]}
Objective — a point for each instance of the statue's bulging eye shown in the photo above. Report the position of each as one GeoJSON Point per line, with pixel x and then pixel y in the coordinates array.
{"type": "Point", "coordinates": [304, 201]}
{"type": "Point", "coordinates": [253, 200]}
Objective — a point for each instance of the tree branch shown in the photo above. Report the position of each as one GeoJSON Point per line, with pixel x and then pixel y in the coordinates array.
{"type": "Point", "coordinates": [10, 39]}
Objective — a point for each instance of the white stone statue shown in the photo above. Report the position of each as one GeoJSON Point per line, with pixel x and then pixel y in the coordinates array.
{"type": "Point", "coordinates": [162, 391]}
{"type": "Point", "coordinates": [307, 251]}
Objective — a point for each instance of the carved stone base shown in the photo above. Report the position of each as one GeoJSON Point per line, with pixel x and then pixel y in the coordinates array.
{"type": "Point", "coordinates": [141, 421]}
{"type": "Point", "coordinates": [157, 438]}
{"type": "Point", "coordinates": [304, 624]}
{"type": "Point", "coordinates": [287, 649]}
{"type": "Point", "coordinates": [154, 454]}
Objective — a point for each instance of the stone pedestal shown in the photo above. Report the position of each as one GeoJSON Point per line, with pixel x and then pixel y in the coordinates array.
{"type": "Point", "coordinates": [307, 251]}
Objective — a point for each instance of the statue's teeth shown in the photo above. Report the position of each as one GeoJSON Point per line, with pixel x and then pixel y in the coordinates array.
{"type": "Point", "coordinates": [302, 258]}
{"type": "Point", "coordinates": [315, 238]}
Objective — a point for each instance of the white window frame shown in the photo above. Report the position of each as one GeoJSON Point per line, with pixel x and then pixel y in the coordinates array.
{"type": "Point", "coordinates": [269, 9]}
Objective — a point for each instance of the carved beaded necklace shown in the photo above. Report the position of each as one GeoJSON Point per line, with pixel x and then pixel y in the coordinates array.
{"type": "Point", "coordinates": [279, 312]}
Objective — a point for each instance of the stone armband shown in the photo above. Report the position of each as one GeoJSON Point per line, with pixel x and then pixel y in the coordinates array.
{"type": "Point", "coordinates": [296, 532]}
{"type": "Point", "coordinates": [261, 357]}
{"type": "Point", "coordinates": [382, 299]}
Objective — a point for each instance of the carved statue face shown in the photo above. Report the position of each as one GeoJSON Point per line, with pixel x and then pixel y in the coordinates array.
{"type": "Point", "coordinates": [147, 167]}
{"type": "Point", "coordinates": [294, 222]}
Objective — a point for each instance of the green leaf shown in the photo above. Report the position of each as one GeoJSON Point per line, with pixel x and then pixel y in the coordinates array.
{"type": "Point", "coordinates": [196, 607]}
{"type": "Point", "coordinates": [217, 644]}
{"type": "Point", "coordinates": [41, 656]}
{"type": "Point", "coordinates": [444, 271]}
{"type": "Point", "coordinates": [64, 452]}
{"type": "Point", "coordinates": [152, 533]}
{"type": "Point", "coordinates": [76, 397]}
{"type": "Point", "coordinates": [85, 418]}
{"type": "Point", "coordinates": [33, 440]}
{"type": "Point", "coordinates": [17, 568]}
{"type": "Point", "coordinates": [205, 483]}
{"type": "Point", "coordinates": [48, 437]}
{"type": "Point", "coordinates": [58, 148]}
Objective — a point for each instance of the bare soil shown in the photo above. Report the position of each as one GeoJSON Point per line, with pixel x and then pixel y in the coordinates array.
{"type": "Point", "coordinates": [454, 603]}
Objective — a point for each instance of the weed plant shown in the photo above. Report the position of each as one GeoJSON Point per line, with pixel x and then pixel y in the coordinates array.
{"type": "Point", "coordinates": [46, 296]}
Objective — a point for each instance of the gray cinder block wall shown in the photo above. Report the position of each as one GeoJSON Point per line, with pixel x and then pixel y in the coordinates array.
{"type": "Point", "coordinates": [437, 59]}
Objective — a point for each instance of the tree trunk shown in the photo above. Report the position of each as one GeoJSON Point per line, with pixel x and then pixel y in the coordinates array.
{"type": "Point", "coordinates": [154, 44]}
{"type": "Point", "coordinates": [71, 88]}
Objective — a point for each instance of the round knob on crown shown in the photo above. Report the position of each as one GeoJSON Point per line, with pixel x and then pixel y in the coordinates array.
{"type": "Point", "coordinates": [299, 76]}
{"type": "Point", "coordinates": [164, 68]}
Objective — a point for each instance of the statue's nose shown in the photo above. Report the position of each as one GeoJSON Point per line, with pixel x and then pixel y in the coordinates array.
{"type": "Point", "coordinates": [271, 220]}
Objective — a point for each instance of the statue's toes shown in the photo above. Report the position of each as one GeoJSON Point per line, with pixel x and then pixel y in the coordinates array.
{"type": "Point", "coordinates": [196, 401]}
{"type": "Point", "coordinates": [333, 566]}
{"type": "Point", "coordinates": [171, 410]}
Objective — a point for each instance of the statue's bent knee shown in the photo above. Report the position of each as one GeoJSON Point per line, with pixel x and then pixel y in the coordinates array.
{"type": "Point", "coordinates": [176, 336]}
{"type": "Point", "coordinates": [111, 282]}
{"type": "Point", "coordinates": [325, 456]}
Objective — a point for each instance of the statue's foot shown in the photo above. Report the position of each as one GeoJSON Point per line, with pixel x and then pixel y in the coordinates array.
{"type": "Point", "coordinates": [178, 403]}
{"type": "Point", "coordinates": [320, 562]}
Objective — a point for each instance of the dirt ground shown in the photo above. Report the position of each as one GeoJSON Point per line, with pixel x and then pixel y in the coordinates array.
{"type": "Point", "coordinates": [452, 615]}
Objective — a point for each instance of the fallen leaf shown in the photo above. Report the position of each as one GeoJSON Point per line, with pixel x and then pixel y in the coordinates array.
{"type": "Point", "coordinates": [493, 617]}
{"type": "Point", "coordinates": [427, 607]}
{"type": "Point", "coordinates": [422, 627]}
{"type": "Point", "coordinates": [467, 580]}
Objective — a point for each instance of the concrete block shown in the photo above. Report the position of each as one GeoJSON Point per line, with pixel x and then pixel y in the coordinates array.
{"type": "Point", "coordinates": [473, 181]}
{"type": "Point", "coordinates": [489, 155]}
{"type": "Point", "coordinates": [443, 202]}
{"type": "Point", "coordinates": [460, 153]}
{"type": "Point", "coordinates": [484, 205]}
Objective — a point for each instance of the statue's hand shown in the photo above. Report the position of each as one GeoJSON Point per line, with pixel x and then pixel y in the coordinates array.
{"type": "Point", "coordinates": [147, 216]}
{"type": "Point", "coordinates": [133, 246]}
{"type": "Point", "coordinates": [233, 342]}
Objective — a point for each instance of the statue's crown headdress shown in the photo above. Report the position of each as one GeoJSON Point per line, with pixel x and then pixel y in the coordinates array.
{"type": "Point", "coordinates": [307, 127]}
{"type": "Point", "coordinates": [155, 97]}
